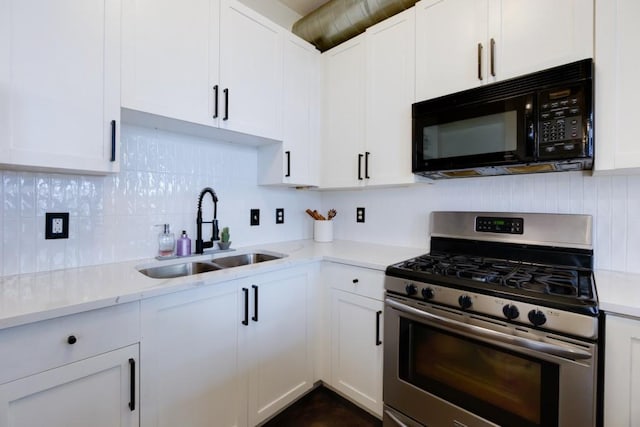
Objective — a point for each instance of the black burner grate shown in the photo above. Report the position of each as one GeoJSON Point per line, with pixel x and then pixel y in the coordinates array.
{"type": "Point", "coordinates": [542, 279]}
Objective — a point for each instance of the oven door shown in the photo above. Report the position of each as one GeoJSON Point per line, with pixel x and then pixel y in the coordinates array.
{"type": "Point", "coordinates": [445, 367]}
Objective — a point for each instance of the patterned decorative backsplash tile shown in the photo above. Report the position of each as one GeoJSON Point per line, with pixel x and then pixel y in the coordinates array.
{"type": "Point", "coordinates": [113, 217]}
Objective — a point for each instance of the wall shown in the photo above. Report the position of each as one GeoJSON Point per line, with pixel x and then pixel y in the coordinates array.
{"type": "Point", "coordinates": [112, 218]}
{"type": "Point", "coordinates": [400, 216]}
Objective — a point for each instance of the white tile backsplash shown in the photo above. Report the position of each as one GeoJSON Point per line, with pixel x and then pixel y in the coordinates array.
{"type": "Point", "coordinates": [113, 217]}
{"type": "Point", "coordinates": [162, 173]}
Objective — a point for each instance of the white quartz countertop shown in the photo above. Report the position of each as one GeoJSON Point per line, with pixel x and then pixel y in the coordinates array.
{"type": "Point", "coordinates": [33, 297]}
{"type": "Point", "coordinates": [618, 292]}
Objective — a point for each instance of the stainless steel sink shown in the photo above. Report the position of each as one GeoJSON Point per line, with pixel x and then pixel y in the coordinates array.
{"type": "Point", "coordinates": [179, 270]}
{"type": "Point", "coordinates": [188, 268]}
{"type": "Point", "coordinates": [244, 259]}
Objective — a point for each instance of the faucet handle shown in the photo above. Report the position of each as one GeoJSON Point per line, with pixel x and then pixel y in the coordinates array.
{"type": "Point", "coordinates": [215, 231]}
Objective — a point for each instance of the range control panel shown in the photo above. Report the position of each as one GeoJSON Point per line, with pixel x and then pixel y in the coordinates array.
{"type": "Point", "coordinates": [487, 224]}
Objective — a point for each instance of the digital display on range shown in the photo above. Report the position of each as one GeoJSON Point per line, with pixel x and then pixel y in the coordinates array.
{"type": "Point", "coordinates": [486, 224]}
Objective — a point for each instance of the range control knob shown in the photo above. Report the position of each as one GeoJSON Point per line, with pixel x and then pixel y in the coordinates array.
{"type": "Point", "coordinates": [427, 293]}
{"type": "Point", "coordinates": [510, 311]}
{"type": "Point", "coordinates": [411, 289]}
{"type": "Point", "coordinates": [464, 301]}
{"type": "Point", "coordinates": [537, 317]}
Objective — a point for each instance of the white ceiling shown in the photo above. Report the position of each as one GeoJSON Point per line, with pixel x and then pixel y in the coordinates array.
{"type": "Point", "coordinates": [303, 7]}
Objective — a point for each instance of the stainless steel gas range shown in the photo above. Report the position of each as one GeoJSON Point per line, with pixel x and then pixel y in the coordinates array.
{"type": "Point", "coordinates": [496, 326]}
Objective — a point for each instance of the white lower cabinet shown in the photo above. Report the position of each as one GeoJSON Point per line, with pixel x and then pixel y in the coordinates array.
{"type": "Point", "coordinates": [356, 334]}
{"type": "Point", "coordinates": [99, 391]}
{"type": "Point", "coordinates": [73, 371]}
{"type": "Point", "coordinates": [621, 371]}
{"type": "Point", "coordinates": [189, 347]}
{"type": "Point", "coordinates": [230, 354]}
{"type": "Point", "coordinates": [276, 345]}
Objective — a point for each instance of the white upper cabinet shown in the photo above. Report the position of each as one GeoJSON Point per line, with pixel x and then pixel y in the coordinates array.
{"type": "Point", "coordinates": [250, 72]}
{"type": "Point", "coordinates": [369, 84]}
{"type": "Point", "coordinates": [461, 44]}
{"type": "Point", "coordinates": [449, 34]}
{"type": "Point", "coordinates": [170, 58]}
{"type": "Point", "coordinates": [210, 62]}
{"type": "Point", "coordinates": [60, 85]}
{"type": "Point", "coordinates": [344, 114]}
{"type": "Point", "coordinates": [390, 80]}
{"type": "Point", "coordinates": [617, 86]}
{"type": "Point", "coordinates": [295, 161]}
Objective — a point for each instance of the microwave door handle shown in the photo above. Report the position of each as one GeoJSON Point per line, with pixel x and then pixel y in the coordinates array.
{"type": "Point", "coordinates": [477, 331]}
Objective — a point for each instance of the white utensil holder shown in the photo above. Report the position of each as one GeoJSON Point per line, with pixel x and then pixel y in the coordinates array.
{"type": "Point", "coordinates": [323, 231]}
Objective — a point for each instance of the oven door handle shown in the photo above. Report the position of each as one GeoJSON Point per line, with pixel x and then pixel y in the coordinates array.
{"type": "Point", "coordinates": [395, 419]}
{"type": "Point", "coordinates": [489, 334]}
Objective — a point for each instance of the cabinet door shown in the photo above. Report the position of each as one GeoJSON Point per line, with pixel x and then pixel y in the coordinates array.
{"type": "Point", "coordinates": [356, 347]}
{"type": "Point", "coordinates": [170, 58]}
{"type": "Point", "coordinates": [448, 34]}
{"type": "Point", "coordinates": [621, 376]}
{"type": "Point", "coordinates": [532, 36]}
{"type": "Point", "coordinates": [344, 114]}
{"type": "Point", "coordinates": [59, 84]}
{"type": "Point", "coordinates": [295, 161]}
{"type": "Point", "coordinates": [190, 352]}
{"type": "Point", "coordinates": [250, 72]}
{"type": "Point", "coordinates": [277, 347]}
{"type": "Point", "coordinates": [390, 93]}
{"type": "Point", "coordinates": [93, 392]}
{"type": "Point", "coordinates": [617, 85]}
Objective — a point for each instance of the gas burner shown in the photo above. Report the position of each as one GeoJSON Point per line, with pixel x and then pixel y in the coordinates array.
{"type": "Point", "coordinates": [540, 279]}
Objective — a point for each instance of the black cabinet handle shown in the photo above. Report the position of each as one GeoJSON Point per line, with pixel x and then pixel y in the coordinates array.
{"type": "Point", "coordinates": [255, 303]}
{"type": "Point", "coordinates": [113, 140]}
{"type": "Point", "coordinates": [72, 339]}
{"type": "Point", "coordinates": [479, 61]}
{"type": "Point", "coordinates": [132, 396]}
{"type": "Point", "coordinates": [288, 153]}
{"type": "Point", "coordinates": [246, 306]}
{"type": "Point", "coordinates": [215, 102]}
{"type": "Point", "coordinates": [360, 156]}
{"type": "Point", "coordinates": [226, 104]}
{"type": "Point", "coordinates": [366, 164]}
{"type": "Point", "coordinates": [355, 280]}
{"type": "Point", "coordinates": [378, 315]}
{"type": "Point", "coordinates": [492, 51]}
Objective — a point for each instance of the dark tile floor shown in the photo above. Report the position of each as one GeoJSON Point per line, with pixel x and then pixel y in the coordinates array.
{"type": "Point", "coordinates": [323, 408]}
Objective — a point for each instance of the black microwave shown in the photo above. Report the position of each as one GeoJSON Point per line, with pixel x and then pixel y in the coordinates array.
{"type": "Point", "coordinates": [540, 122]}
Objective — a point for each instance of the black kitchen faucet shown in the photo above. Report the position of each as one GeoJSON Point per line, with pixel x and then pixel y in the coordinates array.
{"type": "Point", "coordinates": [200, 245]}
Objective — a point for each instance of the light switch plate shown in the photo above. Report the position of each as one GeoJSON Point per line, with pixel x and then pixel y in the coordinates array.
{"type": "Point", "coordinates": [255, 217]}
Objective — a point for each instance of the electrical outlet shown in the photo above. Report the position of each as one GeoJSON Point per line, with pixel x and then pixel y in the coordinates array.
{"type": "Point", "coordinates": [255, 217]}
{"type": "Point", "coordinates": [359, 214]}
{"type": "Point", "coordinates": [280, 216]}
{"type": "Point", "coordinates": [56, 225]}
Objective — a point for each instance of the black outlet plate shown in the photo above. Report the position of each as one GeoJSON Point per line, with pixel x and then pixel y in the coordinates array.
{"type": "Point", "coordinates": [255, 217]}
{"type": "Point", "coordinates": [61, 228]}
{"type": "Point", "coordinates": [359, 214]}
{"type": "Point", "coordinates": [280, 216]}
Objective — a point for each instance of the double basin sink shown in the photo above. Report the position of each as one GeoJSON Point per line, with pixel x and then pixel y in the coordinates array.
{"type": "Point", "coordinates": [196, 267]}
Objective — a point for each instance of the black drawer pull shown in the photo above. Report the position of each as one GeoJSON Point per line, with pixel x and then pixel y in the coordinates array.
{"type": "Point", "coordinates": [132, 391]}
{"type": "Point", "coordinates": [245, 322]}
{"type": "Point", "coordinates": [378, 315]}
{"type": "Point", "coordinates": [72, 339]}
{"type": "Point", "coordinates": [355, 280]}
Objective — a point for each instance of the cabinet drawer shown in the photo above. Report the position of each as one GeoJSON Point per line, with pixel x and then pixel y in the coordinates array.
{"type": "Point", "coordinates": [39, 346]}
{"type": "Point", "coordinates": [357, 280]}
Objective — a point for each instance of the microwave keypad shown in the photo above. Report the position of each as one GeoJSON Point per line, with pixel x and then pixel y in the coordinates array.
{"type": "Point", "coordinates": [561, 125]}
